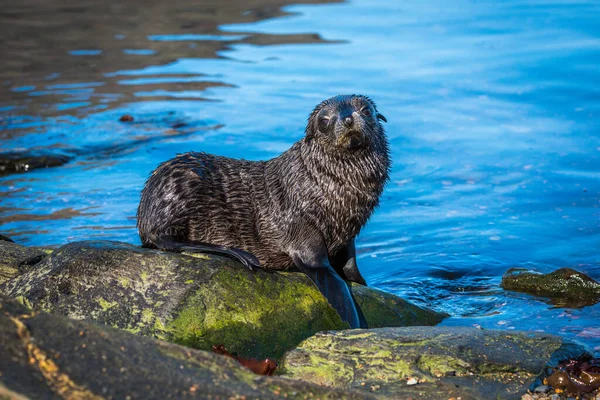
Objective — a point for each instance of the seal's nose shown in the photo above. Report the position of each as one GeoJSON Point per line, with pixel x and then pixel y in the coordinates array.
{"type": "Point", "coordinates": [348, 121]}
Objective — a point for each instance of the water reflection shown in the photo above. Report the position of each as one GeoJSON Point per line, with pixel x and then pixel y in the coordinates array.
{"type": "Point", "coordinates": [70, 43]}
{"type": "Point", "coordinates": [492, 110]}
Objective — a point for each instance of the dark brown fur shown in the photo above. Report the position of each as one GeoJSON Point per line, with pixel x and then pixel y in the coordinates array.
{"type": "Point", "coordinates": [317, 194]}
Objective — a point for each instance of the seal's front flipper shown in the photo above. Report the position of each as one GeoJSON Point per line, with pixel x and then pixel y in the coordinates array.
{"type": "Point", "coordinates": [310, 256]}
{"type": "Point", "coordinates": [335, 290]}
{"type": "Point", "coordinates": [344, 263]}
{"type": "Point", "coordinates": [248, 259]}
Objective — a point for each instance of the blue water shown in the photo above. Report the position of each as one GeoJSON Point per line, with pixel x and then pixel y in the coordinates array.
{"type": "Point", "coordinates": [493, 111]}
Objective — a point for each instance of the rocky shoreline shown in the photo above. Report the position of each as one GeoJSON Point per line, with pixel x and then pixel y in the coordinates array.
{"type": "Point", "coordinates": [100, 319]}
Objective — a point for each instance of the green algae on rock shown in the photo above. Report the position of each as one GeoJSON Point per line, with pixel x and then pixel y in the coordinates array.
{"type": "Point", "coordinates": [381, 309]}
{"type": "Point", "coordinates": [199, 300]}
{"type": "Point", "coordinates": [188, 300]}
{"type": "Point", "coordinates": [255, 314]}
{"type": "Point", "coordinates": [446, 361]}
{"type": "Point", "coordinates": [50, 356]}
{"type": "Point", "coordinates": [565, 287]}
{"type": "Point", "coordinates": [14, 259]}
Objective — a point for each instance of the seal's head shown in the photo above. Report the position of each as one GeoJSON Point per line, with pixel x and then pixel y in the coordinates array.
{"type": "Point", "coordinates": [348, 122]}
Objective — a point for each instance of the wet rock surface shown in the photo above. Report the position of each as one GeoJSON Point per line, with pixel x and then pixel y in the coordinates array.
{"type": "Point", "coordinates": [46, 356]}
{"type": "Point", "coordinates": [198, 301]}
{"type": "Point", "coordinates": [382, 309]}
{"type": "Point", "coordinates": [201, 301]}
{"type": "Point", "coordinates": [430, 362]}
{"type": "Point", "coordinates": [17, 162]}
{"type": "Point", "coordinates": [565, 286]}
{"type": "Point", "coordinates": [15, 259]}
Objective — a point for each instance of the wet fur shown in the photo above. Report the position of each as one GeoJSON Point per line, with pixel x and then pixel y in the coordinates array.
{"type": "Point", "coordinates": [301, 209]}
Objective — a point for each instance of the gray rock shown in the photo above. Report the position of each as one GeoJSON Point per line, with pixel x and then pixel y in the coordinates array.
{"type": "Point", "coordinates": [47, 356]}
{"type": "Point", "coordinates": [15, 259]}
{"type": "Point", "coordinates": [195, 301]}
{"type": "Point", "coordinates": [447, 361]}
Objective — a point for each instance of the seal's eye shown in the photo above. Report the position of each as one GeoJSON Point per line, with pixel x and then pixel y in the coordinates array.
{"type": "Point", "coordinates": [323, 123]}
{"type": "Point", "coordinates": [366, 111]}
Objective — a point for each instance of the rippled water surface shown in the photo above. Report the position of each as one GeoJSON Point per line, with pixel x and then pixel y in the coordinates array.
{"type": "Point", "coordinates": [492, 106]}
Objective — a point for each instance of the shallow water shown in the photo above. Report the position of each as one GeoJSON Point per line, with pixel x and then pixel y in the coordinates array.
{"type": "Point", "coordinates": [493, 123]}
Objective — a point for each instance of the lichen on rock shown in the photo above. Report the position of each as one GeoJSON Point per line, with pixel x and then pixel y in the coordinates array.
{"type": "Point", "coordinates": [199, 302]}
{"type": "Point", "coordinates": [195, 301]}
{"type": "Point", "coordinates": [444, 361]}
{"type": "Point", "coordinates": [49, 356]}
{"type": "Point", "coordinates": [14, 259]}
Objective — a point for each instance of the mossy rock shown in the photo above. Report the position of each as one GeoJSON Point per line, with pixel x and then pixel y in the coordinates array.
{"type": "Point", "coordinates": [197, 301]}
{"type": "Point", "coordinates": [15, 259]}
{"type": "Point", "coordinates": [381, 309]}
{"type": "Point", "coordinates": [446, 361]}
{"type": "Point", "coordinates": [565, 287]}
{"type": "Point", "coordinates": [46, 356]}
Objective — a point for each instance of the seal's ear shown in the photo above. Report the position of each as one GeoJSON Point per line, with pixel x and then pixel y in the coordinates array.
{"type": "Point", "coordinates": [381, 117]}
{"type": "Point", "coordinates": [309, 134]}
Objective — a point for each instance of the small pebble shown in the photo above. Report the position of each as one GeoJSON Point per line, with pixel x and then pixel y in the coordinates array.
{"type": "Point", "coordinates": [126, 118]}
{"type": "Point", "coordinates": [527, 396]}
{"type": "Point", "coordinates": [411, 381]}
{"type": "Point", "coordinates": [542, 389]}
{"type": "Point", "coordinates": [555, 396]}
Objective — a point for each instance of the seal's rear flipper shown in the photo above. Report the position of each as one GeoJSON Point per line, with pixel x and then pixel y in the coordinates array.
{"type": "Point", "coordinates": [248, 259]}
{"type": "Point", "coordinates": [344, 263]}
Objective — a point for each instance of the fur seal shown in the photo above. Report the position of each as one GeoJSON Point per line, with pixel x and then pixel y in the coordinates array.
{"type": "Point", "coordinates": [301, 209]}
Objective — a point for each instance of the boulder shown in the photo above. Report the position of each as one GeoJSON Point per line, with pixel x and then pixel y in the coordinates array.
{"type": "Point", "coordinates": [15, 259]}
{"type": "Point", "coordinates": [47, 356]}
{"type": "Point", "coordinates": [198, 301]}
{"type": "Point", "coordinates": [430, 362]}
{"type": "Point", "coordinates": [565, 287]}
{"type": "Point", "coordinates": [381, 309]}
